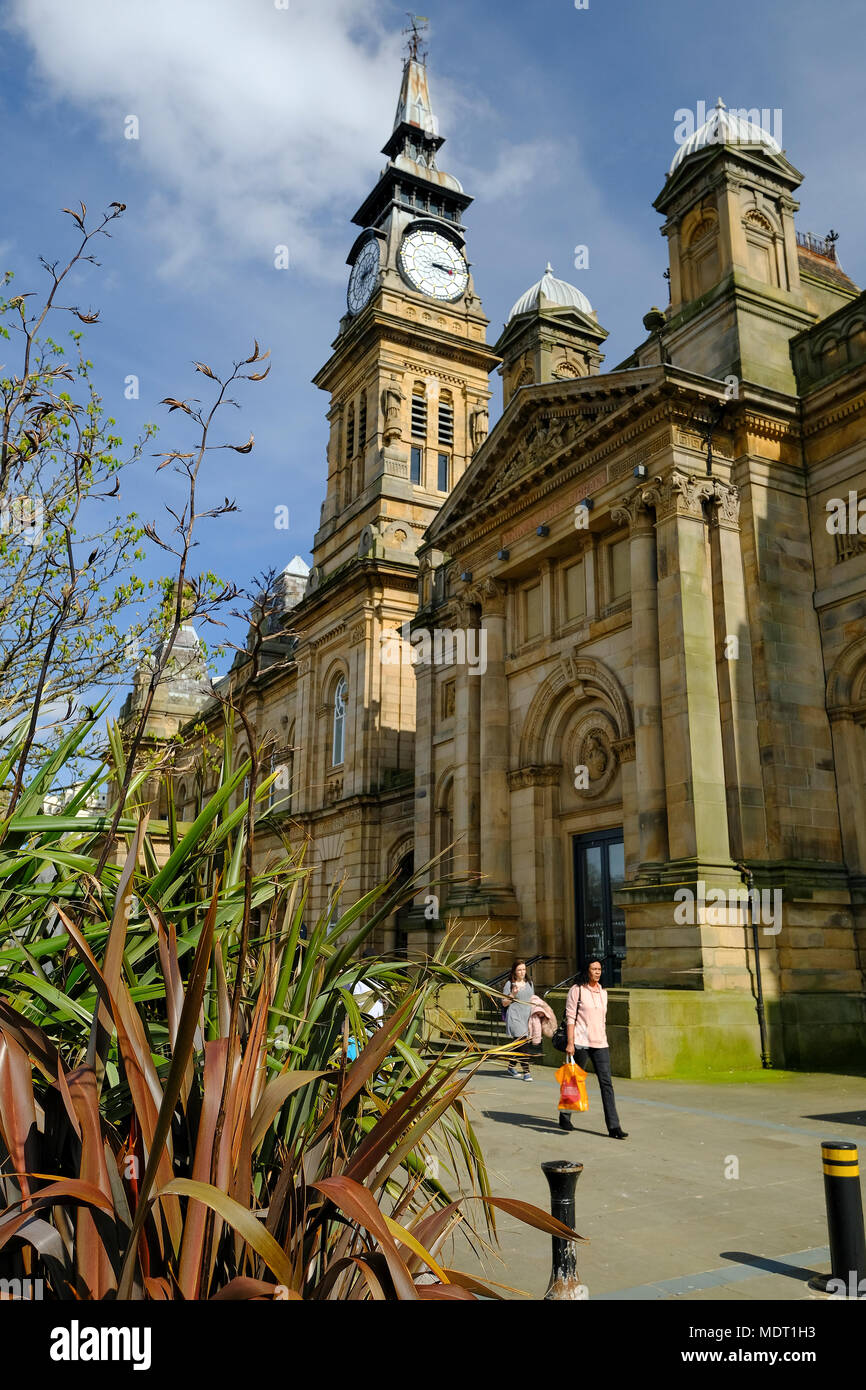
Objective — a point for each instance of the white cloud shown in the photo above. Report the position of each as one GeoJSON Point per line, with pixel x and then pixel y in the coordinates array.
{"type": "Point", "coordinates": [253, 120]}
{"type": "Point", "coordinates": [516, 167]}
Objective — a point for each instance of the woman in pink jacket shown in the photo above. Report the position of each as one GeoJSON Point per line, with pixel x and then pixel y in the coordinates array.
{"type": "Point", "coordinates": [585, 1017]}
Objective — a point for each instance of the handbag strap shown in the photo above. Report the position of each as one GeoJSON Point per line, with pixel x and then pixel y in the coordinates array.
{"type": "Point", "coordinates": [576, 1014]}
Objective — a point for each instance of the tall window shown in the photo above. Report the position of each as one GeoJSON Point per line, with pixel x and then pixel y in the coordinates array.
{"type": "Point", "coordinates": [446, 833]}
{"type": "Point", "coordinates": [419, 413]}
{"type": "Point", "coordinates": [290, 771]}
{"type": "Point", "coordinates": [575, 591]}
{"type": "Point", "coordinates": [415, 465]}
{"type": "Point", "coordinates": [443, 481]}
{"type": "Point", "coordinates": [338, 743]}
{"type": "Point", "coordinates": [362, 421]}
{"type": "Point", "coordinates": [446, 419]}
{"type": "Point", "coordinates": [620, 575]}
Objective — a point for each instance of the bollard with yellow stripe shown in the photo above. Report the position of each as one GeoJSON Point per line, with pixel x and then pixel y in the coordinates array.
{"type": "Point", "coordinates": [841, 1164]}
{"type": "Point", "coordinates": [840, 1160]}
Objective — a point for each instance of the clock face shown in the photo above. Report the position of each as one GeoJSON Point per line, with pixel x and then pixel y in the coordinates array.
{"type": "Point", "coordinates": [433, 264]}
{"type": "Point", "coordinates": [364, 276]}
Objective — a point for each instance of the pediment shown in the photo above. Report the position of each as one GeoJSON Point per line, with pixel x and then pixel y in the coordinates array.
{"type": "Point", "coordinates": [542, 426]}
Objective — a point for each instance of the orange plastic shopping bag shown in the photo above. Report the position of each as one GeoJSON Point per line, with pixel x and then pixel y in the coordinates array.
{"type": "Point", "coordinates": [572, 1087]}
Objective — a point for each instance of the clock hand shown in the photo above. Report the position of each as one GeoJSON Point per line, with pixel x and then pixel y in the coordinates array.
{"type": "Point", "coordinates": [446, 268]}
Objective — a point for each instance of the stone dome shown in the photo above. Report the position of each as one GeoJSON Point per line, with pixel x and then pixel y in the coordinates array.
{"type": "Point", "coordinates": [724, 127]}
{"type": "Point", "coordinates": [556, 291]}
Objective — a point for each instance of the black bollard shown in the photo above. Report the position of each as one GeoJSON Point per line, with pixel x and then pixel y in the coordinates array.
{"type": "Point", "coordinates": [562, 1179]}
{"type": "Point", "coordinates": [844, 1219]}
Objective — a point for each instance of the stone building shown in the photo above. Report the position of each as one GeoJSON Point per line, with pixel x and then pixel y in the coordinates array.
{"type": "Point", "coordinates": [636, 670]}
{"type": "Point", "coordinates": [672, 704]}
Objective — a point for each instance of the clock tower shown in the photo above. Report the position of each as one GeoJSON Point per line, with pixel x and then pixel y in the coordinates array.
{"type": "Point", "coordinates": [409, 390]}
{"type": "Point", "coordinates": [408, 377]}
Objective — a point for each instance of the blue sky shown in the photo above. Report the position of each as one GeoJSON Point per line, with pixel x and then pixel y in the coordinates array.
{"type": "Point", "coordinates": [261, 126]}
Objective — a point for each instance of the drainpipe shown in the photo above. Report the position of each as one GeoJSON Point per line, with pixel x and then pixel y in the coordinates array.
{"type": "Point", "coordinates": [749, 876]}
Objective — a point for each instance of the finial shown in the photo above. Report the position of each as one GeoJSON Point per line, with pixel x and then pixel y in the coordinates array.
{"type": "Point", "coordinates": [549, 270]}
{"type": "Point", "coordinates": [720, 105]}
{"type": "Point", "coordinates": [418, 23]}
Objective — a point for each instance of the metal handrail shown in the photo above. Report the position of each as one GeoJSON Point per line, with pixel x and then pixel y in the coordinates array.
{"type": "Point", "coordinates": [569, 980]}
{"type": "Point", "coordinates": [505, 973]}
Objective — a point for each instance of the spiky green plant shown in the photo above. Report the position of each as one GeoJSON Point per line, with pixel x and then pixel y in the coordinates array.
{"type": "Point", "coordinates": [178, 1114]}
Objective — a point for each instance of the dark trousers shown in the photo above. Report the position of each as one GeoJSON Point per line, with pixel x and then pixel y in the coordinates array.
{"type": "Point", "coordinates": [601, 1066]}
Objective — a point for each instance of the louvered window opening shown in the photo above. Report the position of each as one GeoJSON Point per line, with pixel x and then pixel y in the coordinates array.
{"type": "Point", "coordinates": [350, 435]}
{"type": "Point", "coordinates": [419, 417]}
{"type": "Point", "coordinates": [446, 424]}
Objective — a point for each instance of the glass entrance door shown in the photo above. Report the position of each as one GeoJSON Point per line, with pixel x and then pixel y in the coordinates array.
{"type": "Point", "coordinates": [599, 869]}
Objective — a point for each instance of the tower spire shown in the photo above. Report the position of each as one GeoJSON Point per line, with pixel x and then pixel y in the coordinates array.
{"type": "Point", "coordinates": [413, 106]}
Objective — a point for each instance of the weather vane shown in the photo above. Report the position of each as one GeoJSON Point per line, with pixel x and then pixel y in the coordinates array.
{"type": "Point", "coordinates": [418, 24]}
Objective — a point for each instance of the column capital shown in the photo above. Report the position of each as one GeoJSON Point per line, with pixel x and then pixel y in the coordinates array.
{"type": "Point", "coordinates": [490, 594]}
{"type": "Point", "coordinates": [466, 606]}
{"type": "Point", "coordinates": [632, 511]}
{"type": "Point", "coordinates": [679, 494]}
{"type": "Point", "coordinates": [726, 509]}
{"type": "Point", "coordinates": [544, 775]}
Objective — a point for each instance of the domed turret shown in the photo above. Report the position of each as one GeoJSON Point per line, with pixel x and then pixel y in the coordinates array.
{"type": "Point", "coordinates": [552, 334]}
{"type": "Point", "coordinates": [724, 127]}
{"type": "Point", "coordinates": [554, 292]}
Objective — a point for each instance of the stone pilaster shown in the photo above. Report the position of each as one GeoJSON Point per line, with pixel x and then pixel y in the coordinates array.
{"type": "Point", "coordinates": [693, 757]}
{"type": "Point", "coordinates": [649, 743]}
{"type": "Point", "coordinates": [304, 795]}
{"type": "Point", "coordinates": [495, 827]}
{"type": "Point", "coordinates": [747, 821]}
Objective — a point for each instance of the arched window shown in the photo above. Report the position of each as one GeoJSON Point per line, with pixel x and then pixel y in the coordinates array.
{"type": "Point", "coordinates": [338, 742]}
{"type": "Point", "coordinates": [762, 247]}
{"type": "Point", "coordinates": [701, 261]}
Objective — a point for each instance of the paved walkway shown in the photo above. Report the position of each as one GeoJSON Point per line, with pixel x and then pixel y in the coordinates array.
{"type": "Point", "coordinates": [666, 1217]}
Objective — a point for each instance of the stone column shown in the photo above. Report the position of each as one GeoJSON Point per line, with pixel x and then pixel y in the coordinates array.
{"type": "Point", "coordinates": [495, 804]}
{"type": "Point", "coordinates": [747, 821]}
{"type": "Point", "coordinates": [467, 735]}
{"type": "Point", "coordinates": [691, 723]}
{"type": "Point", "coordinates": [649, 744]}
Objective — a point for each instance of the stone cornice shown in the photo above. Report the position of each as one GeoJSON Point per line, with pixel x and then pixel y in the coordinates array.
{"type": "Point", "coordinates": [832, 415]}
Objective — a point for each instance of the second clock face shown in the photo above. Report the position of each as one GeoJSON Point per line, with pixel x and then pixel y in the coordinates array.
{"type": "Point", "coordinates": [364, 276]}
{"type": "Point", "coordinates": [433, 264]}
